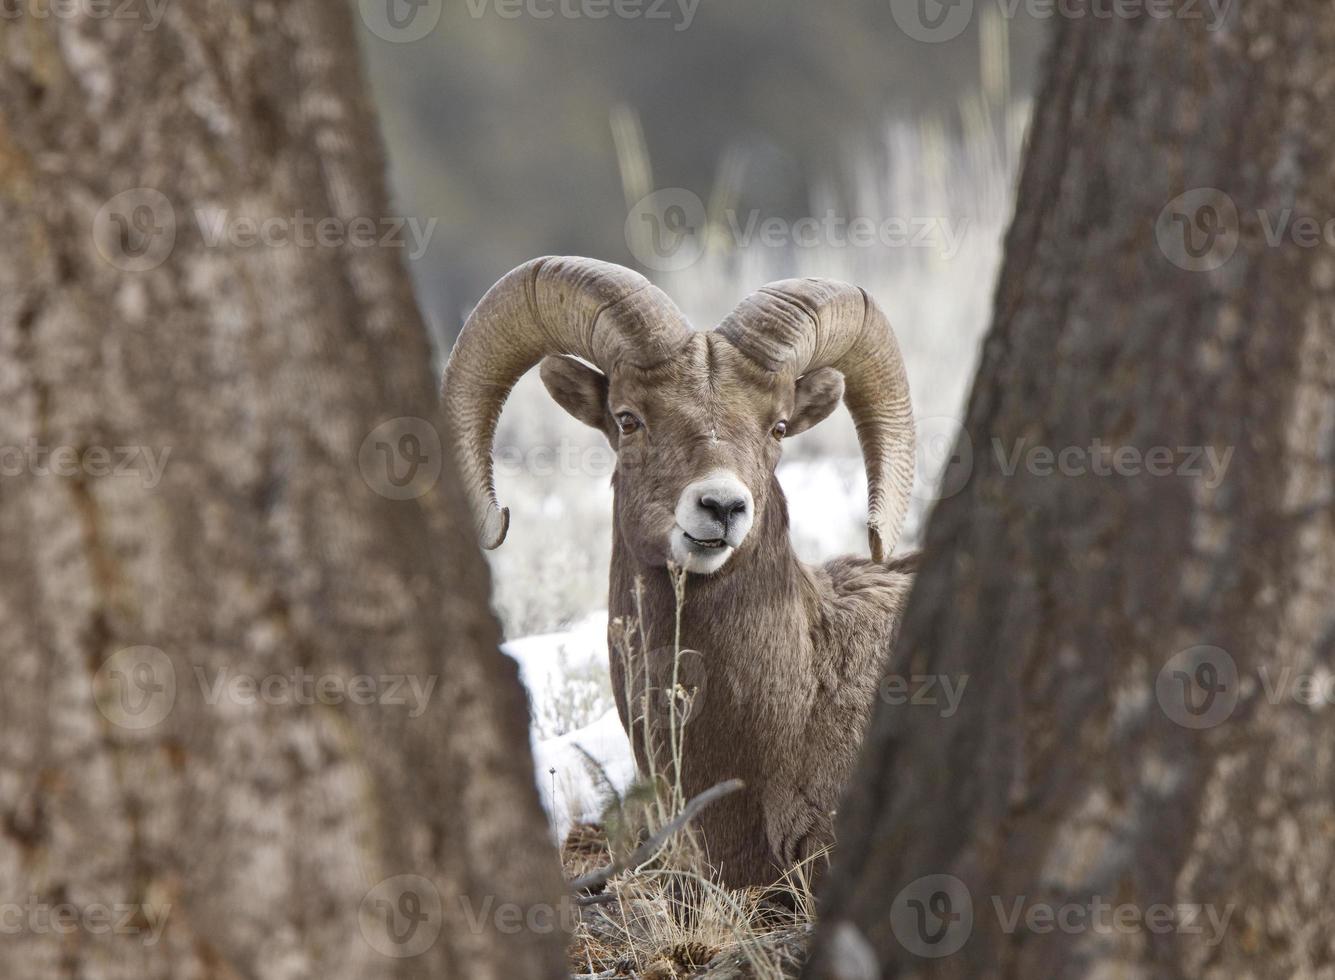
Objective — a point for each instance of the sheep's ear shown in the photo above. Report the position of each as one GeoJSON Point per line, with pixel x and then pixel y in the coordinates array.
{"type": "Point", "coordinates": [580, 390]}
{"type": "Point", "coordinates": [817, 395]}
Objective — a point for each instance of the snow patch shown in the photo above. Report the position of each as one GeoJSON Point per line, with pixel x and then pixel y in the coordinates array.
{"type": "Point", "coordinates": [575, 769]}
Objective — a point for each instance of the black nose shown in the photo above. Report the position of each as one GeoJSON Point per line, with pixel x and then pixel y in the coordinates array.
{"type": "Point", "coordinates": [723, 507]}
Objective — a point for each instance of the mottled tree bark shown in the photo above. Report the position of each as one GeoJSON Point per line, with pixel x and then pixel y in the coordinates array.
{"type": "Point", "coordinates": [1102, 752]}
{"type": "Point", "coordinates": [194, 826]}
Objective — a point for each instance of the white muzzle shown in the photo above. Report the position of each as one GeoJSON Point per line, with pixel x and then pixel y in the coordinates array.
{"type": "Point", "coordinates": [713, 518]}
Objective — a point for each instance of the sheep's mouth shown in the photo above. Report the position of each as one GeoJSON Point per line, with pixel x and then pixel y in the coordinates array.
{"type": "Point", "coordinates": [703, 556]}
{"type": "Point", "coordinates": [710, 544]}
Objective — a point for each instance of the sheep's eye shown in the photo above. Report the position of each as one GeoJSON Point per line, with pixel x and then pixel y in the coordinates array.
{"type": "Point", "coordinates": [780, 428]}
{"type": "Point", "coordinates": [627, 423]}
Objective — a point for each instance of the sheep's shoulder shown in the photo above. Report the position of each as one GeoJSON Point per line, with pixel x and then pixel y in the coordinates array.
{"type": "Point", "coordinates": [862, 605]}
{"type": "Point", "coordinates": [861, 589]}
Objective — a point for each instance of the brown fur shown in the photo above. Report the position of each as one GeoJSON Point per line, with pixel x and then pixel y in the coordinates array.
{"type": "Point", "coordinates": [786, 658]}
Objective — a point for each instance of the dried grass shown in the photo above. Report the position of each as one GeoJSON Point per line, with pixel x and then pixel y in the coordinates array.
{"type": "Point", "coordinates": [667, 917]}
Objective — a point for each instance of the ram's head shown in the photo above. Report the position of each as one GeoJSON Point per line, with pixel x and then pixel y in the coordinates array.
{"type": "Point", "coordinates": [696, 418]}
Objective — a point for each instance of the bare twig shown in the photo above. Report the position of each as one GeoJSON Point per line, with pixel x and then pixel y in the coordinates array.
{"type": "Point", "coordinates": [596, 879]}
{"type": "Point", "coordinates": [602, 898]}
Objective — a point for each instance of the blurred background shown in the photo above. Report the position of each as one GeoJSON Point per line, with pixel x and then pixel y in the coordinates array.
{"type": "Point", "coordinates": [714, 147]}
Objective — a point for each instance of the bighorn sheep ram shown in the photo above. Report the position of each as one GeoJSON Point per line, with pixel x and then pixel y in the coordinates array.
{"type": "Point", "coordinates": [789, 656]}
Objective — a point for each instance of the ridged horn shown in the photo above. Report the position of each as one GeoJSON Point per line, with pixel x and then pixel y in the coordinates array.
{"type": "Point", "coordinates": [801, 325]}
{"type": "Point", "coordinates": [598, 311]}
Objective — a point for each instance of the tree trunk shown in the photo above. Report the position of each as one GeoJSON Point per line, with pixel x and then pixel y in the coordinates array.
{"type": "Point", "coordinates": [1142, 724]}
{"type": "Point", "coordinates": [195, 500]}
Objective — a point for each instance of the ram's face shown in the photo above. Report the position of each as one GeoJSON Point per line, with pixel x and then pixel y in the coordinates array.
{"type": "Point", "coordinates": [697, 440]}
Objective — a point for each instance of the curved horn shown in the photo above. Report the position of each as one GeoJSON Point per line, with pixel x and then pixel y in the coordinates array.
{"type": "Point", "coordinates": [805, 324]}
{"type": "Point", "coordinates": [594, 310]}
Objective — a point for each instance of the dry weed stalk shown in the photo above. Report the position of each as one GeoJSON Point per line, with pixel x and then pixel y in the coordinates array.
{"type": "Point", "coordinates": [661, 913]}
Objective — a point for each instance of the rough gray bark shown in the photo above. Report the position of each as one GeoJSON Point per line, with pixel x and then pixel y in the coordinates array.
{"type": "Point", "coordinates": [259, 830]}
{"type": "Point", "coordinates": [1072, 771]}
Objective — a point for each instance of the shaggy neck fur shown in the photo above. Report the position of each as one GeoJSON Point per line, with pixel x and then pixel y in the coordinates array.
{"type": "Point", "coordinates": [773, 649]}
